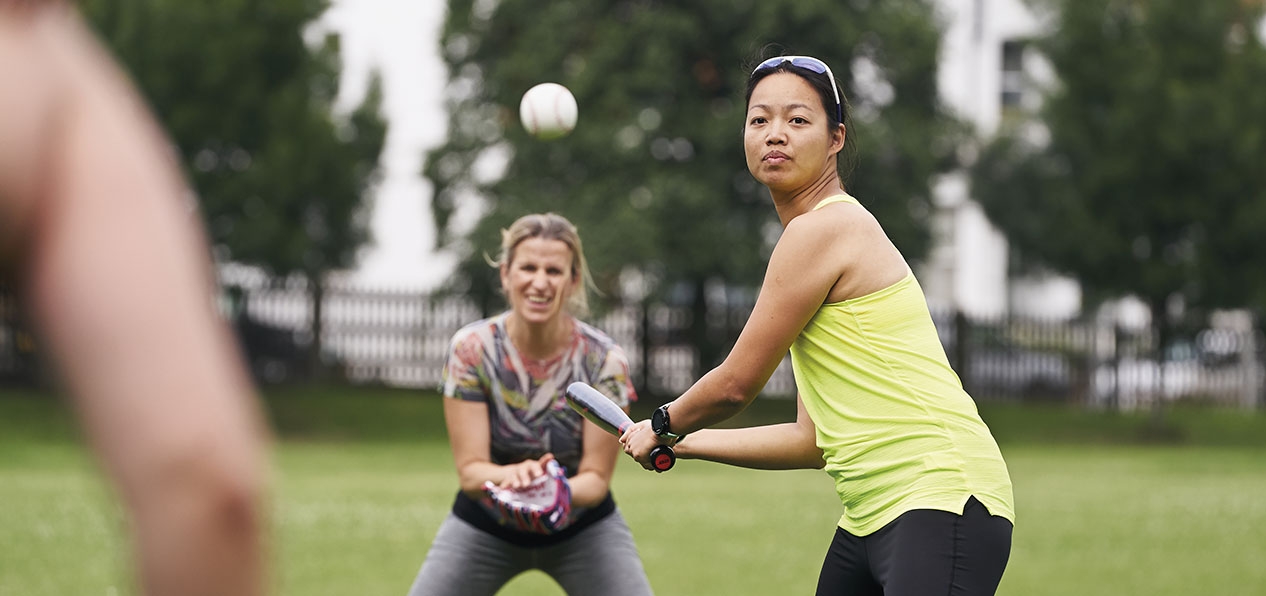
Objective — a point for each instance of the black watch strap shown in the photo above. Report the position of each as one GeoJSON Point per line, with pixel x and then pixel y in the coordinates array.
{"type": "Point", "coordinates": [662, 425]}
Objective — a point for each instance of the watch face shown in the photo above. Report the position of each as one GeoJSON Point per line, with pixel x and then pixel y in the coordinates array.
{"type": "Point", "coordinates": [659, 422]}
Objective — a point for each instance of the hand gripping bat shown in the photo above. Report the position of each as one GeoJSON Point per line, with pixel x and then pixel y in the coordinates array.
{"type": "Point", "coordinates": [609, 417]}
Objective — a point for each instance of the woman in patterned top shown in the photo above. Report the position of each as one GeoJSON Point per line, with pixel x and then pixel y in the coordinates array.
{"type": "Point", "coordinates": [507, 418]}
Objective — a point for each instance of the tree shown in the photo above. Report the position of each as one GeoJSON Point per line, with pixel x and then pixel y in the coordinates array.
{"type": "Point", "coordinates": [654, 173]}
{"type": "Point", "coordinates": [280, 178]}
{"type": "Point", "coordinates": [1151, 182]}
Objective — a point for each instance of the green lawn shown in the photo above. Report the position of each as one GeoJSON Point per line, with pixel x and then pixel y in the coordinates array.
{"type": "Point", "coordinates": [363, 478]}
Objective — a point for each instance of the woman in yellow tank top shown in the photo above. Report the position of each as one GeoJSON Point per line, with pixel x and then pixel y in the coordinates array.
{"type": "Point", "coordinates": [926, 494]}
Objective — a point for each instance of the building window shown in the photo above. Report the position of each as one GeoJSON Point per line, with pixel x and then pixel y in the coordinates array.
{"type": "Point", "coordinates": [1013, 78]}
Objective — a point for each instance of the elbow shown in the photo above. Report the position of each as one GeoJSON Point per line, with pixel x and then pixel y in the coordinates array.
{"type": "Point", "coordinates": [736, 395]}
{"type": "Point", "coordinates": [733, 402]}
{"type": "Point", "coordinates": [235, 493]}
{"type": "Point", "coordinates": [472, 489]}
{"type": "Point", "coordinates": [202, 523]}
{"type": "Point", "coordinates": [238, 507]}
{"type": "Point", "coordinates": [210, 494]}
{"type": "Point", "coordinates": [729, 387]}
{"type": "Point", "coordinates": [470, 482]}
{"type": "Point", "coordinates": [589, 488]}
{"type": "Point", "coordinates": [238, 486]}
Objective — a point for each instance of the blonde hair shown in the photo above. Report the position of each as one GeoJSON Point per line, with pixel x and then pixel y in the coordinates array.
{"type": "Point", "coordinates": [550, 226]}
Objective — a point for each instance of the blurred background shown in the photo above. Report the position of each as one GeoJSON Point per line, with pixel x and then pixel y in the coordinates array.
{"type": "Point", "coordinates": [1078, 185]}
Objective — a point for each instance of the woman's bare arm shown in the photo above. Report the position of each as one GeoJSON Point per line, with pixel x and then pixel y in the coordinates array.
{"type": "Point", "coordinates": [115, 273]}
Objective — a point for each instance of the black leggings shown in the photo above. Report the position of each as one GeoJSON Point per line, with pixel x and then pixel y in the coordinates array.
{"type": "Point", "coordinates": [922, 553]}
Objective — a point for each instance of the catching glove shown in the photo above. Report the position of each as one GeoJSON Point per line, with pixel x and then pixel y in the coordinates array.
{"type": "Point", "coordinates": [543, 507]}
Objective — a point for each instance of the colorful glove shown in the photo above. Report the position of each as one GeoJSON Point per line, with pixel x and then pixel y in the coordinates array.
{"type": "Point", "coordinates": [543, 507]}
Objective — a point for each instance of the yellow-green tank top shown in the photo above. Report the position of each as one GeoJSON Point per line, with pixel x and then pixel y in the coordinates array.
{"type": "Point", "coordinates": [896, 428]}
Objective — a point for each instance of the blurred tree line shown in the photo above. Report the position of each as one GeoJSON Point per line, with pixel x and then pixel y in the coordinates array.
{"type": "Point", "coordinates": [654, 174]}
{"type": "Point", "coordinates": [281, 180]}
{"type": "Point", "coordinates": [1138, 176]}
{"type": "Point", "coordinates": [1142, 173]}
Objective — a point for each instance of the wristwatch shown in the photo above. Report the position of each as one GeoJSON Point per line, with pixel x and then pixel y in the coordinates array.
{"type": "Point", "coordinates": [661, 425]}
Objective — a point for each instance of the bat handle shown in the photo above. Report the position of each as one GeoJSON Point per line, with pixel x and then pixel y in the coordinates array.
{"type": "Point", "coordinates": [663, 458]}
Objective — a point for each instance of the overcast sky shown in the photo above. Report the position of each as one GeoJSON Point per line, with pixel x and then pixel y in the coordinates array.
{"type": "Point", "coordinates": [400, 39]}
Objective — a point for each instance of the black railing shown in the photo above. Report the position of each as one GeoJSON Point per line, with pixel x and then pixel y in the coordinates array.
{"type": "Point", "coordinates": [401, 338]}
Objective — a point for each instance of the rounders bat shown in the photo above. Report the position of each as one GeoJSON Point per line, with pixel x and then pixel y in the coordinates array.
{"type": "Point", "coordinates": [603, 412]}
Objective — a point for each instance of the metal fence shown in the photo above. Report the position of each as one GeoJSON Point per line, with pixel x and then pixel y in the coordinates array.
{"type": "Point", "coordinates": [1102, 365]}
{"type": "Point", "coordinates": [401, 339]}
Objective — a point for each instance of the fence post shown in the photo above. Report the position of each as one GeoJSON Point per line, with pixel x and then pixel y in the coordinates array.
{"type": "Point", "coordinates": [1257, 334]}
{"type": "Point", "coordinates": [645, 345]}
{"type": "Point", "coordinates": [1114, 396]}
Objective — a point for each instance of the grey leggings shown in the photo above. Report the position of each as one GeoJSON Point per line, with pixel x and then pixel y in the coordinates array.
{"type": "Point", "coordinates": [600, 560]}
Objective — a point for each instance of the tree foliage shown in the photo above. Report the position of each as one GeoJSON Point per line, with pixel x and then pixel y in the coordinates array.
{"type": "Point", "coordinates": [654, 174]}
{"type": "Point", "coordinates": [1152, 182]}
{"type": "Point", "coordinates": [281, 179]}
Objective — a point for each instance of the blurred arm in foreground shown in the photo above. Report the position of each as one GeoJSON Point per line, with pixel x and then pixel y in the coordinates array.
{"type": "Point", "coordinates": [97, 229]}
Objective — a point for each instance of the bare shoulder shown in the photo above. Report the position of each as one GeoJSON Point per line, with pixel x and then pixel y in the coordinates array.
{"type": "Point", "coordinates": [839, 225]}
{"type": "Point", "coordinates": [858, 245]}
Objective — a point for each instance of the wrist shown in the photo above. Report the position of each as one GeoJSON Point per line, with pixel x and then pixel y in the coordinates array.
{"type": "Point", "coordinates": [676, 443]}
{"type": "Point", "coordinates": [661, 424]}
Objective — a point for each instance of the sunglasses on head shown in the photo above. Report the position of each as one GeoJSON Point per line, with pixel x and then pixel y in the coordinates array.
{"type": "Point", "coordinates": [811, 64]}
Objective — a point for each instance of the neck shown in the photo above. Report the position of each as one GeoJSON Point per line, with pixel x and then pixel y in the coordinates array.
{"type": "Point", "coordinates": [539, 341]}
{"type": "Point", "coordinates": [790, 203]}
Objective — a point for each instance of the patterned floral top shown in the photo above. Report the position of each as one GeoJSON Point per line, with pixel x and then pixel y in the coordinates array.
{"type": "Point", "coordinates": [528, 413]}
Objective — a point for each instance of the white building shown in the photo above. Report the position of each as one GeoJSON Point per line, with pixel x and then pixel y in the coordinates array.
{"type": "Point", "coordinates": [985, 74]}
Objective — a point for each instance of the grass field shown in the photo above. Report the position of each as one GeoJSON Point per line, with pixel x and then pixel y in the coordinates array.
{"type": "Point", "coordinates": [363, 478]}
